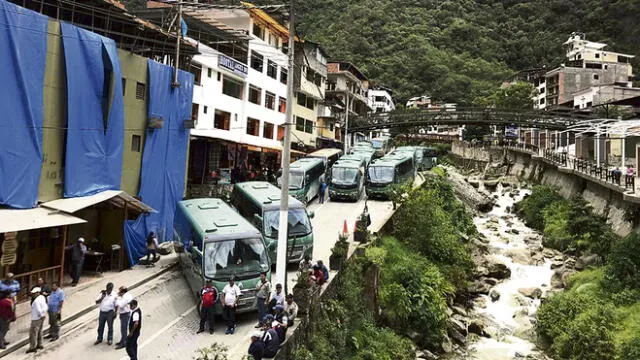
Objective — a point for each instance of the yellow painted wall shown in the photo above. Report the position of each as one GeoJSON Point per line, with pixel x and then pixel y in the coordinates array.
{"type": "Point", "coordinates": [323, 128]}
{"type": "Point", "coordinates": [307, 114]}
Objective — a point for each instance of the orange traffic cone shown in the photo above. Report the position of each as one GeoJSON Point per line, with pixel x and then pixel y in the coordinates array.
{"type": "Point", "coordinates": [345, 228]}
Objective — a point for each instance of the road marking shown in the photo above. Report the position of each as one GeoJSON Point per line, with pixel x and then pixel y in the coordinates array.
{"type": "Point", "coordinates": [165, 328]}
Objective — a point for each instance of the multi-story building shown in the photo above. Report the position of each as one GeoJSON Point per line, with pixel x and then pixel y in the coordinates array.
{"type": "Point", "coordinates": [310, 77]}
{"type": "Point", "coordinates": [348, 85]}
{"type": "Point", "coordinates": [381, 101]}
{"type": "Point", "coordinates": [240, 97]}
{"type": "Point", "coordinates": [536, 77]}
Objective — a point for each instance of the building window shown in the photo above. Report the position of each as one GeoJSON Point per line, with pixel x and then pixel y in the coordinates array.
{"type": "Point", "coordinates": [280, 132]}
{"type": "Point", "coordinates": [270, 101]}
{"type": "Point", "coordinates": [219, 76]}
{"type": "Point", "coordinates": [209, 72]}
{"type": "Point", "coordinates": [310, 75]}
{"type": "Point", "coordinates": [136, 143]}
{"type": "Point", "coordinates": [255, 94]}
{"type": "Point", "coordinates": [258, 31]}
{"type": "Point", "coordinates": [308, 127]}
{"type": "Point", "coordinates": [231, 87]}
{"type": "Point", "coordinates": [542, 101]}
{"type": "Point", "coordinates": [272, 69]}
{"type": "Point", "coordinates": [253, 126]}
{"type": "Point", "coordinates": [597, 56]}
{"type": "Point", "coordinates": [606, 67]}
{"type": "Point", "coordinates": [589, 104]}
{"type": "Point", "coordinates": [283, 75]}
{"type": "Point", "coordinates": [204, 110]}
{"type": "Point", "coordinates": [124, 85]}
{"type": "Point", "coordinates": [331, 126]}
{"type": "Point", "coordinates": [542, 90]}
{"type": "Point", "coordinates": [195, 110]}
{"type": "Point", "coordinates": [282, 105]}
{"type": "Point", "coordinates": [222, 120]}
{"type": "Point", "coordinates": [596, 76]}
{"type": "Point", "coordinates": [299, 123]}
{"type": "Point", "coordinates": [257, 61]}
{"type": "Point", "coordinates": [141, 89]}
{"type": "Point", "coordinates": [319, 80]}
{"type": "Point", "coordinates": [267, 132]}
{"type": "Point", "coordinates": [306, 101]}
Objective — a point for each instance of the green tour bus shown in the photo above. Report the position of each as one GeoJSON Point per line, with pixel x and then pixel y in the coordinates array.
{"type": "Point", "coordinates": [329, 155]}
{"type": "Point", "coordinates": [365, 153]}
{"type": "Point", "coordinates": [219, 243]}
{"type": "Point", "coordinates": [414, 151]}
{"type": "Point", "coordinates": [259, 202]}
{"type": "Point", "coordinates": [381, 145]}
{"type": "Point", "coordinates": [429, 157]}
{"type": "Point", "coordinates": [383, 173]}
{"type": "Point", "coordinates": [347, 178]}
{"type": "Point", "coordinates": [305, 177]}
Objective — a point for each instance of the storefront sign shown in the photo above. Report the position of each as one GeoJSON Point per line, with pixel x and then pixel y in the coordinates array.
{"type": "Point", "coordinates": [235, 66]}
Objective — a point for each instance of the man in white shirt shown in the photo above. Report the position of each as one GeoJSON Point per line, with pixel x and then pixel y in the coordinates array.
{"type": "Point", "coordinates": [231, 293]}
{"type": "Point", "coordinates": [277, 298]}
{"type": "Point", "coordinates": [107, 301]}
{"type": "Point", "coordinates": [124, 311]}
{"type": "Point", "coordinates": [39, 310]}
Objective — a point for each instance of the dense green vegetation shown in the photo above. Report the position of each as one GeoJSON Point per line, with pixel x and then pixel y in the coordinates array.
{"type": "Point", "coordinates": [422, 267]}
{"type": "Point", "coordinates": [598, 316]}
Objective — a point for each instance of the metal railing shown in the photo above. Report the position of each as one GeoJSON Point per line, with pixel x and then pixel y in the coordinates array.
{"type": "Point", "coordinates": [29, 279]}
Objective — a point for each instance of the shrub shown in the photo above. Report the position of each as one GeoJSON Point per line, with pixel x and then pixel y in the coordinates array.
{"type": "Point", "coordinates": [533, 206]}
{"type": "Point", "coordinates": [589, 336]}
{"type": "Point", "coordinates": [624, 262]}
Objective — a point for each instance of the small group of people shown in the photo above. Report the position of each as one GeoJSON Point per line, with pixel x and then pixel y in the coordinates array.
{"type": "Point", "coordinates": [9, 289]}
{"type": "Point", "coordinates": [318, 272]}
{"type": "Point", "coordinates": [45, 301]}
{"type": "Point", "coordinates": [126, 307]}
{"type": "Point", "coordinates": [231, 293]}
{"type": "Point", "coordinates": [616, 175]}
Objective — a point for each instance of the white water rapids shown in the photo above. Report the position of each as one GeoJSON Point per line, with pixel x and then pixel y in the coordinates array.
{"type": "Point", "coordinates": [509, 319]}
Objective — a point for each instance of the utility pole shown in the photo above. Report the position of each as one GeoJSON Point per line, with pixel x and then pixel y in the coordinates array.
{"type": "Point", "coordinates": [283, 227]}
{"type": "Point", "coordinates": [346, 125]}
{"type": "Point", "coordinates": [178, 36]}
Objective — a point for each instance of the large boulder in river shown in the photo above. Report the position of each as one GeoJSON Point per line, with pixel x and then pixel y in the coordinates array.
{"type": "Point", "coordinates": [585, 261]}
{"type": "Point", "coordinates": [479, 288]}
{"type": "Point", "coordinates": [532, 292]}
{"type": "Point", "coordinates": [499, 271]}
{"type": "Point", "coordinates": [494, 295]}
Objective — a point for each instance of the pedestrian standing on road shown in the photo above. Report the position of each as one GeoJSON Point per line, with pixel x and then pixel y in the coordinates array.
{"type": "Point", "coordinates": [277, 298]}
{"type": "Point", "coordinates": [124, 312]}
{"type": "Point", "coordinates": [291, 308]}
{"type": "Point", "coordinates": [39, 310]}
{"type": "Point", "coordinates": [78, 250]}
{"type": "Point", "coordinates": [208, 296]}
{"type": "Point", "coordinates": [270, 338]}
{"type": "Point", "coordinates": [7, 316]}
{"type": "Point", "coordinates": [10, 285]}
{"type": "Point", "coordinates": [324, 269]}
{"type": "Point", "coordinates": [135, 325]}
{"type": "Point", "coordinates": [231, 294]}
{"type": "Point", "coordinates": [262, 297]}
{"type": "Point", "coordinates": [152, 248]}
{"type": "Point", "coordinates": [256, 348]}
{"type": "Point", "coordinates": [107, 301]}
{"type": "Point", "coordinates": [55, 301]}
{"type": "Point", "coordinates": [323, 190]}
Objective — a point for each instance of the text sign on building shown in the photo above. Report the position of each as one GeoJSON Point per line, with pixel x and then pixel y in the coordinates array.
{"type": "Point", "coordinates": [233, 65]}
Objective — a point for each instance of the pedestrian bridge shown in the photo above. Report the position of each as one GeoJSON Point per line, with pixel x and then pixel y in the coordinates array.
{"type": "Point", "coordinates": [550, 120]}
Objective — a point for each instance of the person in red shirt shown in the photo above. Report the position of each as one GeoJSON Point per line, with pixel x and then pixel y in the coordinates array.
{"type": "Point", "coordinates": [318, 274]}
{"type": "Point", "coordinates": [7, 315]}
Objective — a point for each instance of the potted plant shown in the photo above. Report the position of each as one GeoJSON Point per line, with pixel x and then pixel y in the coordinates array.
{"type": "Point", "coordinates": [361, 234]}
{"type": "Point", "coordinates": [339, 252]}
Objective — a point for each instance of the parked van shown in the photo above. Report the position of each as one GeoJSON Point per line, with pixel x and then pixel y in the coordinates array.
{"type": "Point", "coordinates": [387, 171]}
{"type": "Point", "coordinates": [305, 176]}
{"type": "Point", "coordinates": [259, 202]}
{"type": "Point", "coordinates": [381, 145]}
{"type": "Point", "coordinates": [218, 244]}
{"type": "Point", "coordinates": [348, 178]}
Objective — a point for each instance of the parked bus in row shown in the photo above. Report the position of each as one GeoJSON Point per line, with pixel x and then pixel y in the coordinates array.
{"type": "Point", "coordinates": [329, 155]}
{"type": "Point", "coordinates": [387, 171]}
{"type": "Point", "coordinates": [218, 244]}
{"type": "Point", "coordinates": [259, 202]}
{"type": "Point", "coordinates": [382, 146]}
{"type": "Point", "coordinates": [363, 153]}
{"type": "Point", "coordinates": [414, 151]}
{"type": "Point", "coordinates": [347, 178]}
{"type": "Point", "coordinates": [429, 157]}
{"type": "Point", "coordinates": [305, 177]}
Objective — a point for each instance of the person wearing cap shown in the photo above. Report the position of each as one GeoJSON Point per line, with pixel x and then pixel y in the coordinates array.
{"type": "Point", "coordinates": [7, 316]}
{"type": "Point", "coordinates": [124, 312]}
{"type": "Point", "coordinates": [107, 302]}
{"type": "Point", "coordinates": [10, 285]}
{"type": "Point", "coordinates": [277, 298]}
{"type": "Point", "coordinates": [256, 348]}
{"type": "Point", "coordinates": [291, 308]}
{"type": "Point", "coordinates": [262, 297]}
{"type": "Point", "coordinates": [280, 322]}
{"type": "Point", "coordinates": [54, 302]}
{"type": "Point", "coordinates": [270, 338]}
{"type": "Point", "coordinates": [78, 250]}
{"type": "Point", "coordinates": [208, 295]}
{"type": "Point", "coordinates": [231, 294]}
{"type": "Point", "coordinates": [39, 310]}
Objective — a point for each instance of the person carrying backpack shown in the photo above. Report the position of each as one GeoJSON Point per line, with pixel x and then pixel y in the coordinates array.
{"type": "Point", "coordinates": [208, 296]}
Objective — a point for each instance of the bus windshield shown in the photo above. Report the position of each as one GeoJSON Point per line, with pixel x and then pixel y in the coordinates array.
{"type": "Point", "coordinates": [377, 144]}
{"type": "Point", "coordinates": [381, 174]}
{"type": "Point", "coordinates": [237, 257]}
{"type": "Point", "coordinates": [296, 180]}
{"type": "Point", "coordinates": [298, 222]}
{"type": "Point", "coordinates": [341, 175]}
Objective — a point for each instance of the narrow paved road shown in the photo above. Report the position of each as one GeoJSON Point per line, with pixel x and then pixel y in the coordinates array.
{"type": "Point", "coordinates": [170, 317]}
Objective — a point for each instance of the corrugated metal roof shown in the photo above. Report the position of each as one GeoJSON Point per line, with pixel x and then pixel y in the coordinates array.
{"type": "Point", "coordinates": [115, 197]}
{"type": "Point", "coordinates": [37, 218]}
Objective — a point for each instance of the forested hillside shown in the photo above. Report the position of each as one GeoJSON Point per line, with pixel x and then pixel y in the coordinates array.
{"type": "Point", "coordinates": [457, 50]}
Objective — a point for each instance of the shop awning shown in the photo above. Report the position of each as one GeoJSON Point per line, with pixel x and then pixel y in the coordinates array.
{"type": "Point", "coordinates": [115, 197]}
{"type": "Point", "coordinates": [37, 218]}
{"type": "Point", "coordinates": [231, 137]}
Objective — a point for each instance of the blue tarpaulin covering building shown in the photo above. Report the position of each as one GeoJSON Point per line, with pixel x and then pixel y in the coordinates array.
{"type": "Point", "coordinates": [164, 158]}
{"type": "Point", "coordinates": [95, 113]}
{"type": "Point", "coordinates": [23, 49]}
